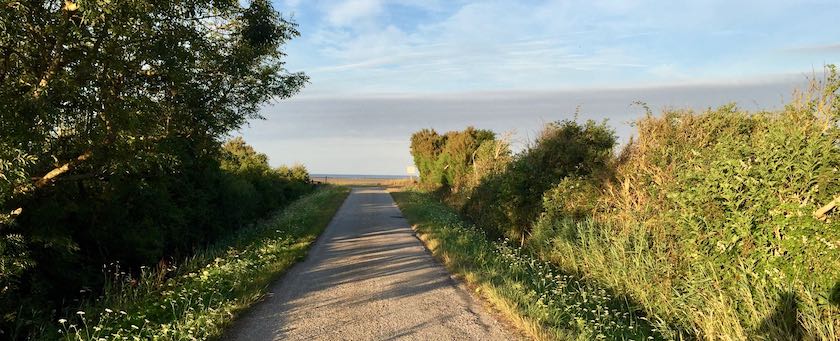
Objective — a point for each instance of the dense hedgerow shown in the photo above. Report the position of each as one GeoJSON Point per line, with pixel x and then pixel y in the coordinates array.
{"type": "Point", "coordinates": [447, 160]}
{"type": "Point", "coordinates": [707, 220]}
{"type": "Point", "coordinates": [717, 211]}
{"type": "Point", "coordinates": [136, 222]}
{"type": "Point", "coordinates": [195, 300]}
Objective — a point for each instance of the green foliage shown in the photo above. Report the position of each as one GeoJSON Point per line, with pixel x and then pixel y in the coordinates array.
{"type": "Point", "coordinates": [561, 305]}
{"type": "Point", "coordinates": [111, 114]}
{"type": "Point", "coordinates": [448, 160]}
{"type": "Point", "coordinates": [134, 86]}
{"type": "Point", "coordinates": [724, 203]}
{"type": "Point", "coordinates": [240, 158]}
{"type": "Point", "coordinates": [491, 157]}
{"type": "Point", "coordinates": [426, 146]}
{"type": "Point", "coordinates": [706, 220]}
{"type": "Point", "coordinates": [257, 187]}
{"type": "Point", "coordinates": [458, 155]}
{"type": "Point", "coordinates": [136, 222]}
{"type": "Point", "coordinates": [509, 202]}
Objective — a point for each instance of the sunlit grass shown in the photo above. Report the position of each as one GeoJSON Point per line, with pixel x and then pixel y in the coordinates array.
{"type": "Point", "coordinates": [199, 298]}
{"type": "Point", "coordinates": [540, 299]}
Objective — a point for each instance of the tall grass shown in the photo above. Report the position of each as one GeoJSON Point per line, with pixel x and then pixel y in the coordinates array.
{"type": "Point", "coordinates": [198, 298]}
{"type": "Point", "coordinates": [540, 298]}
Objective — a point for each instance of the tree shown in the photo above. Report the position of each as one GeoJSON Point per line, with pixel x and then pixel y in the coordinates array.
{"type": "Point", "coordinates": [111, 113]}
{"type": "Point", "coordinates": [94, 88]}
{"type": "Point", "coordinates": [240, 157]}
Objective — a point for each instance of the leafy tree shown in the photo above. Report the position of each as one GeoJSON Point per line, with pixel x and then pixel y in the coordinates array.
{"type": "Point", "coordinates": [239, 157]}
{"type": "Point", "coordinates": [296, 172]}
{"type": "Point", "coordinates": [111, 113]}
{"type": "Point", "coordinates": [257, 187]}
{"type": "Point", "coordinates": [97, 88]}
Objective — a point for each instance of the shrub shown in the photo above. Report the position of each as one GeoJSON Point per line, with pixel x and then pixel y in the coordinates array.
{"type": "Point", "coordinates": [196, 299]}
{"type": "Point", "coordinates": [446, 161]}
{"type": "Point", "coordinates": [426, 146]}
{"type": "Point", "coordinates": [512, 200]}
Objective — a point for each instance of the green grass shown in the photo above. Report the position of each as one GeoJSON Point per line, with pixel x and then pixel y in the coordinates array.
{"type": "Point", "coordinates": [199, 298]}
{"type": "Point", "coordinates": [543, 301]}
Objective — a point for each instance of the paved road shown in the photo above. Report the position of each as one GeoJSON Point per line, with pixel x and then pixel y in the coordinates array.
{"type": "Point", "coordinates": [368, 278]}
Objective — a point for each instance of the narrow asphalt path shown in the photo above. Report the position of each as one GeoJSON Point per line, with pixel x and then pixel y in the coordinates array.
{"type": "Point", "coordinates": [368, 278]}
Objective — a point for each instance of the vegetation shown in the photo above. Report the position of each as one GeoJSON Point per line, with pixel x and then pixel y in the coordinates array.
{"type": "Point", "coordinates": [256, 188]}
{"type": "Point", "coordinates": [112, 115]}
{"type": "Point", "coordinates": [196, 299]}
{"type": "Point", "coordinates": [507, 202]}
{"type": "Point", "coordinates": [446, 160]}
{"type": "Point", "coordinates": [713, 222]}
{"type": "Point", "coordinates": [542, 300]}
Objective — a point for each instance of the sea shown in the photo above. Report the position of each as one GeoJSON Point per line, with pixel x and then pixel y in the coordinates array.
{"type": "Point", "coordinates": [357, 176]}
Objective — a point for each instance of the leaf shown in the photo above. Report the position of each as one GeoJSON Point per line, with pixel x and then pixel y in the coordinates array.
{"type": "Point", "coordinates": [70, 6]}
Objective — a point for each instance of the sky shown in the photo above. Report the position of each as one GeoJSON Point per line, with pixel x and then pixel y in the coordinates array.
{"type": "Point", "coordinates": [381, 69]}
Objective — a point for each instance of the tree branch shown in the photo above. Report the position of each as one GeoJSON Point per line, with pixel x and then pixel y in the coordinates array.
{"type": "Point", "coordinates": [57, 61]}
{"type": "Point", "coordinates": [51, 177]}
{"type": "Point", "coordinates": [58, 171]}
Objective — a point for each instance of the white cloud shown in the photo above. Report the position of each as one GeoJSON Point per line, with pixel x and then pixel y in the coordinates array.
{"type": "Point", "coordinates": [350, 11]}
{"type": "Point", "coordinates": [491, 44]}
{"type": "Point", "coordinates": [292, 3]}
{"type": "Point", "coordinates": [815, 49]}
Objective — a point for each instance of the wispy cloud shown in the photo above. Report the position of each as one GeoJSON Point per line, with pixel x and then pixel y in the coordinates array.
{"type": "Point", "coordinates": [349, 11]}
{"type": "Point", "coordinates": [815, 49]}
{"type": "Point", "coordinates": [413, 45]}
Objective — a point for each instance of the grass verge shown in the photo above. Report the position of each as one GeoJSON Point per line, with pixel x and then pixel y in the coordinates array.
{"type": "Point", "coordinates": [199, 298]}
{"type": "Point", "coordinates": [541, 300]}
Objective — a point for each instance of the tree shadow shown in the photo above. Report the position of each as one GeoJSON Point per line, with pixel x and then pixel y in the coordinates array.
{"type": "Point", "coordinates": [834, 296]}
{"type": "Point", "coordinates": [783, 323]}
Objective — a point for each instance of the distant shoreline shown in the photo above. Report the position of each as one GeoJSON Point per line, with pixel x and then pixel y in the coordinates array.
{"type": "Point", "coordinates": [363, 180]}
{"type": "Point", "coordinates": [357, 176]}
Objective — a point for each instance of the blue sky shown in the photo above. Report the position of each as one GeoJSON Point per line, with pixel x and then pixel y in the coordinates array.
{"type": "Point", "coordinates": [380, 69]}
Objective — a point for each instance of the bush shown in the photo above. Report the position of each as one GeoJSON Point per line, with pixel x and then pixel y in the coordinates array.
{"type": "Point", "coordinates": [447, 160]}
{"type": "Point", "coordinates": [426, 147]}
{"type": "Point", "coordinates": [509, 202]}
{"type": "Point", "coordinates": [196, 299]}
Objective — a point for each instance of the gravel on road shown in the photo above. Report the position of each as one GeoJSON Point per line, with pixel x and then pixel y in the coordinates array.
{"type": "Point", "coordinates": [368, 278]}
